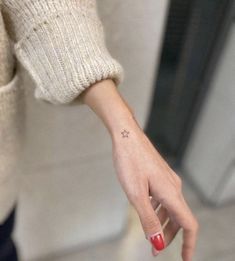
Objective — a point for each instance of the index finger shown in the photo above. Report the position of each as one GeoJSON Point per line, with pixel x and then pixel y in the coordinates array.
{"type": "Point", "coordinates": [189, 243]}
{"type": "Point", "coordinates": [181, 214]}
{"type": "Point", "coordinates": [189, 235]}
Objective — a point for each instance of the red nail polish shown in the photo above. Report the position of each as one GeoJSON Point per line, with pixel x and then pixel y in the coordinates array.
{"type": "Point", "coordinates": [157, 241]}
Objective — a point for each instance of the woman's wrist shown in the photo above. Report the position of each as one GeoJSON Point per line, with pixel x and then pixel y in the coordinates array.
{"type": "Point", "coordinates": [123, 127]}
{"type": "Point", "coordinates": [105, 100]}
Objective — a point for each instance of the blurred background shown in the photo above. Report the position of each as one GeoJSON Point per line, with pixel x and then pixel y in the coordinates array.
{"type": "Point", "coordinates": [179, 61]}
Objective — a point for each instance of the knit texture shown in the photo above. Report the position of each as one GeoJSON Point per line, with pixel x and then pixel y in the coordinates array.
{"type": "Point", "coordinates": [11, 134]}
{"type": "Point", "coordinates": [6, 56]}
{"type": "Point", "coordinates": [62, 45]}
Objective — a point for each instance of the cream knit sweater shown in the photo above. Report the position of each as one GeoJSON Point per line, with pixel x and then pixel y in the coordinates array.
{"type": "Point", "coordinates": [61, 43]}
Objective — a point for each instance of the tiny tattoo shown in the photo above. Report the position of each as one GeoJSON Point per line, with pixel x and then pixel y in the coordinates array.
{"type": "Point", "coordinates": [125, 133]}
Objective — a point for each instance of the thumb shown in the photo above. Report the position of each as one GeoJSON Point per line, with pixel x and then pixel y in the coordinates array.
{"type": "Point", "coordinates": [150, 223]}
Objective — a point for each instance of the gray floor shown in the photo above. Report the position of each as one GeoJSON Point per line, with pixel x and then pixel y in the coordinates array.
{"type": "Point", "coordinates": [216, 238]}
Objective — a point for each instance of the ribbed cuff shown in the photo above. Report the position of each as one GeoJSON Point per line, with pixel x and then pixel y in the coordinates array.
{"type": "Point", "coordinates": [65, 50]}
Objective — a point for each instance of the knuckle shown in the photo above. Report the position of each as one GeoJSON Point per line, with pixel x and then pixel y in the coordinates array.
{"type": "Point", "coordinates": [195, 225]}
{"type": "Point", "coordinates": [149, 221]}
{"type": "Point", "coordinates": [179, 181]}
{"type": "Point", "coordinates": [187, 246]}
{"type": "Point", "coordinates": [178, 193]}
{"type": "Point", "coordinates": [150, 224]}
{"type": "Point", "coordinates": [135, 197]}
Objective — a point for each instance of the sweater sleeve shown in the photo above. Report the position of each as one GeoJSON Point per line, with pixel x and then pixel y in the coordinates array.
{"type": "Point", "coordinates": [61, 43]}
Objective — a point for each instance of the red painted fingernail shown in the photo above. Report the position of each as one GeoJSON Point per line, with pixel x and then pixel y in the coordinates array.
{"type": "Point", "coordinates": [157, 241]}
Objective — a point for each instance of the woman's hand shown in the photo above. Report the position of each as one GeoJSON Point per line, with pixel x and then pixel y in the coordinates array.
{"type": "Point", "coordinates": [144, 175]}
{"type": "Point", "coordinates": [148, 181]}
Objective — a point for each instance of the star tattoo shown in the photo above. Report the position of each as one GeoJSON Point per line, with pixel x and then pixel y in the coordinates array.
{"type": "Point", "coordinates": [125, 133]}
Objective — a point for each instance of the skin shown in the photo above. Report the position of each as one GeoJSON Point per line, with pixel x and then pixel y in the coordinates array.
{"type": "Point", "coordinates": [145, 177]}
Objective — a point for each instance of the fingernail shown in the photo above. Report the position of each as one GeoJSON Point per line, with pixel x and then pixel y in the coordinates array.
{"type": "Point", "coordinates": [157, 241]}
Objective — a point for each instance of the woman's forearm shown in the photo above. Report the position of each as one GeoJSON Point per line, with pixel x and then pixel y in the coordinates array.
{"type": "Point", "coordinates": [105, 100]}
